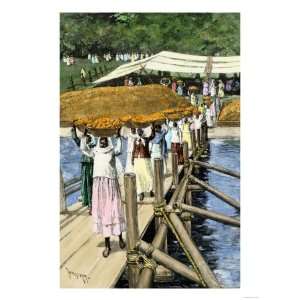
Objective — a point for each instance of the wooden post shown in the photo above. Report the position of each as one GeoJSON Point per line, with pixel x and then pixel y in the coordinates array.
{"type": "Point", "coordinates": [168, 261]}
{"type": "Point", "coordinates": [159, 200]}
{"type": "Point", "coordinates": [193, 140]}
{"type": "Point", "coordinates": [217, 168]}
{"type": "Point", "coordinates": [72, 83]}
{"type": "Point", "coordinates": [158, 185]}
{"type": "Point", "coordinates": [147, 275]}
{"type": "Point", "coordinates": [90, 76]}
{"type": "Point", "coordinates": [186, 156]}
{"type": "Point", "coordinates": [192, 250]}
{"type": "Point", "coordinates": [199, 138]}
{"type": "Point", "coordinates": [204, 135]}
{"type": "Point", "coordinates": [132, 235]}
{"type": "Point", "coordinates": [175, 169]}
{"type": "Point", "coordinates": [188, 222]}
{"type": "Point", "coordinates": [229, 200]}
{"type": "Point", "coordinates": [206, 214]}
{"type": "Point", "coordinates": [63, 202]}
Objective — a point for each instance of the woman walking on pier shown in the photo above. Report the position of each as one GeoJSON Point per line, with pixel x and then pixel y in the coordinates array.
{"type": "Point", "coordinates": [107, 212]}
{"type": "Point", "coordinates": [176, 141]}
{"type": "Point", "coordinates": [158, 146]}
{"type": "Point", "coordinates": [186, 133]}
{"type": "Point", "coordinates": [85, 143]}
{"type": "Point", "coordinates": [142, 164]}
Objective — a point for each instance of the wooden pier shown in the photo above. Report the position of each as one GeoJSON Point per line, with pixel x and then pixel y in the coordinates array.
{"type": "Point", "coordinates": [82, 264]}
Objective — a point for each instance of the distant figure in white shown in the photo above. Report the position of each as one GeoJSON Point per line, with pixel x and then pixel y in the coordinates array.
{"type": "Point", "coordinates": [158, 146]}
{"type": "Point", "coordinates": [130, 135]}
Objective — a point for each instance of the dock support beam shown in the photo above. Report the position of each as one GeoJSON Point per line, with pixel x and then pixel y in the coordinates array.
{"type": "Point", "coordinates": [206, 214]}
{"type": "Point", "coordinates": [193, 140]}
{"type": "Point", "coordinates": [216, 192]}
{"type": "Point", "coordinates": [188, 218]}
{"type": "Point", "coordinates": [188, 193]}
{"type": "Point", "coordinates": [147, 275]}
{"type": "Point", "coordinates": [217, 168]}
{"type": "Point", "coordinates": [175, 169]}
{"type": "Point", "coordinates": [158, 186]}
{"type": "Point", "coordinates": [159, 191]}
{"type": "Point", "coordinates": [168, 261]}
{"type": "Point", "coordinates": [199, 134]}
{"type": "Point", "coordinates": [63, 201]}
{"type": "Point", "coordinates": [192, 250]}
{"type": "Point", "coordinates": [132, 235]}
{"type": "Point", "coordinates": [186, 157]}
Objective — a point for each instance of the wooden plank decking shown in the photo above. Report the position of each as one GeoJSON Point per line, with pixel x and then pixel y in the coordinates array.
{"type": "Point", "coordinates": [81, 262]}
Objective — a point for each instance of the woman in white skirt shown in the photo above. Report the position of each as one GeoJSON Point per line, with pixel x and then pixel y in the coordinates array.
{"type": "Point", "coordinates": [142, 164]}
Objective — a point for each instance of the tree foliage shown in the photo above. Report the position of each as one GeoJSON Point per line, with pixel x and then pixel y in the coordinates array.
{"type": "Point", "coordinates": [201, 34]}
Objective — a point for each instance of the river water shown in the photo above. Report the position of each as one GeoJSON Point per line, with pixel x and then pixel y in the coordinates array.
{"type": "Point", "coordinates": [219, 244]}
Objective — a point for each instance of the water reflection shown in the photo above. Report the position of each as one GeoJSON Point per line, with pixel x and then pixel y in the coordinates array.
{"type": "Point", "coordinates": [218, 243]}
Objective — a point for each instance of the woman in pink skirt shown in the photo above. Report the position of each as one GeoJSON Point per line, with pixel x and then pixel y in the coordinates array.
{"type": "Point", "coordinates": [107, 213]}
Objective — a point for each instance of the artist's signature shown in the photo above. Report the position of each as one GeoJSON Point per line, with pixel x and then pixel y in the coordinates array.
{"type": "Point", "coordinates": [76, 275]}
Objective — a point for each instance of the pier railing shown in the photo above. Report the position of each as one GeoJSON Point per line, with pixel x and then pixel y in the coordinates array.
{"type": "Point", "coordinates": [142, 257]}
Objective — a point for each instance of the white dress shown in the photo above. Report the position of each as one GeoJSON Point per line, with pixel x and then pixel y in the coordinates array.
{"type": "Point", "coordinates": [209, 117]}
{"type": "Point", "coordinates": [213, 90]}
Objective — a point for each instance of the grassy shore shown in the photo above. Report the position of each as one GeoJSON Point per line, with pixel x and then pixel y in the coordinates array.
{"type": "Point", "coordinates": [74, 70]}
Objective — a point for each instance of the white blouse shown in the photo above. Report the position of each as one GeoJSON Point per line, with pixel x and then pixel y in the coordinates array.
{"type": "Point", "coordinates": [197, 123]}
{"type": "Point", "coordinates": [176, 135]}
{"type": "Point", "coordinates": [104, 161]}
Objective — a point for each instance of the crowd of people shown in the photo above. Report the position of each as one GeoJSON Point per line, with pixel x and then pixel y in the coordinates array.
{"type": "Point", "coordinates": [206, 96]}
{"type": "Point", "coordinates": [95, 59]}
{"type": "Point", "coordinates": [69, 60]}
{"type": "Point", "coordinates": [105, 160]}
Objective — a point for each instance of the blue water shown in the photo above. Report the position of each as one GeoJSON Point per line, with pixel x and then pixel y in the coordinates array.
{"type": "Point", "coordinates": [218, 243]}
{"type": "Point", "coordinates": [223, 241]}
{"type": "Point", "coordinates": [70, 163]}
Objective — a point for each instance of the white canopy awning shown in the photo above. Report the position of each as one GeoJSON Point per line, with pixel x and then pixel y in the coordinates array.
{"type": "Point", "coordinates": [177, 63]}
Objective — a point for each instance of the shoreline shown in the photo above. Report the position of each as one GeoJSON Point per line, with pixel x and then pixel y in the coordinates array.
{"type": "Point", "coordinates": [213, 133]}
{"type": "Point", "coordinates": [224, 133]}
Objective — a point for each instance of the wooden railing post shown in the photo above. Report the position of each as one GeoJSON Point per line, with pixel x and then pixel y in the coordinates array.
{"type": "Point", "coordinates": [132, 228]}
{"type": "Point", "coordinates": [175, 169]}
{"type": "Point", "coordinates": [158, 185]}
{"type": "Point", "coordinates": [188, 193]}
{"type": "Point", "coordinates": [204, 135]}
{"type": "Point", "coordinates": [63, 202]}
{"type": "Point", "coordinates": [190, 248]}
{"type": "Point", "coordinates": [188, 220]}
{"type": "Point", "coordinates": [193, 140]}
{"type": "Point", "coordinates": [159, 195]}
{"type": "Point", "coordinates": [199, 132]}
{"type": "Point", "coordinates": [186, 156]}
